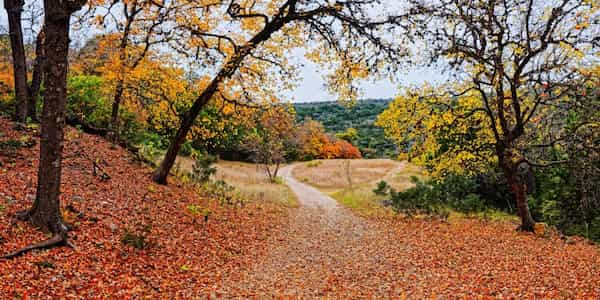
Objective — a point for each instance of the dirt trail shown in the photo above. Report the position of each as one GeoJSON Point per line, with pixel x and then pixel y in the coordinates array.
{"type": "Point", "coordinates": [325, 245]}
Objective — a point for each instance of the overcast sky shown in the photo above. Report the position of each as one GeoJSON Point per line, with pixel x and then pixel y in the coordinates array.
{"type": "Point", "coordinates": [311, 87]}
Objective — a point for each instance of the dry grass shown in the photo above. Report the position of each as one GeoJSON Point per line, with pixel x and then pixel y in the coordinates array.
{"type": "Point", "coordinates": [253, 182]}
{"type": "Point", "coordinates": [364, 201]}
{"type": "Point", "coordinates": [330, 175]}
{"type": "Point", "coordinates": [250, 180]}
{"type": "Point", "coordinates": [402, 180]}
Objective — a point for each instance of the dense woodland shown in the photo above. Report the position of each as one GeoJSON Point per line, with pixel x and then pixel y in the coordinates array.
{"type": "Point", "coordinates": [114, 115]}
{"type": "Point", "coordinates": [337, 118]}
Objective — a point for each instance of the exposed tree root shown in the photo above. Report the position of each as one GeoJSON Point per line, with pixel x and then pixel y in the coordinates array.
{"type": "Point", "coordinates": [60, 238]}
{"type": "Point", "coordinates": [522, 228]}
{"type": "Point", "coordinates": [54, 241]}
{"type": "Point", "coordinates": [23, 215]}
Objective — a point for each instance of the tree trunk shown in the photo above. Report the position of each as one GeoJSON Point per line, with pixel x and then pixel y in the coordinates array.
{"type": "Point", "coordinates": [45, 212]}
{"type": "Point", "coordinates": [38, 73]}
{"type": "Point", "coordinates": [14, 8]}
{"type": "Point", "coordinates": [130, 13]}
{"type": "Point", "coordinates": [268, 170]}
{"type": "Point", "coordinates": [276, 172]}
{"type": "Point", "coordinates": [519, 191]}
{"type": "Point", "coordinates": [161, 173]}
{"type": "Point", "coordinates": [114, 117]}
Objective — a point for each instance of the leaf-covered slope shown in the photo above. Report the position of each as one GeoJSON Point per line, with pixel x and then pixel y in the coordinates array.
{"type": "Point", "coordinates": [185, 256]}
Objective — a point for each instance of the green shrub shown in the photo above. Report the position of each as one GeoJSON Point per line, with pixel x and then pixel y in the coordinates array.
{"type": "Point", "coordinates": [423, 198]}
{"type": "Point", "coordinates": [435, 197]}
{"type": "Point", "coordinates": [86, 100]}
{"type": "Point", "coordinates": [7, 104]}
{"type": "Point", "coordinates": [197, 210]}
{"type": "Point", "coordinates": [314, 163]}
{"type": "Point", "coordinates": [10, 147]}
{"type": "Point", "coordinates": [133, 132]}
{"type": "Point", "coordinates": [460, 193]}
{"type": "Point", "coordinates": [559, 201]}
{"type": "Point", "coordinates": [149, 153]}
{"type": "Point", "coordinates": [471, 203]}
{"type": "Point", "coordinates": [278, 180]}
{"type": "Point", "coordinates": [382, 189]}
{"type": "Point", "coordinates": [203, 167]}
{"type": "Point", "coordinates": [222, 192]}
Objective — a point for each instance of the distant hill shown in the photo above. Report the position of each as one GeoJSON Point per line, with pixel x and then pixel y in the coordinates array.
{"type": "Point", "coordinates": [361, 116]}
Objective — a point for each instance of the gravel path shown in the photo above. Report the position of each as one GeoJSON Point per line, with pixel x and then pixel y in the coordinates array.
{"type": "Point", "coordinates": [326, 252]}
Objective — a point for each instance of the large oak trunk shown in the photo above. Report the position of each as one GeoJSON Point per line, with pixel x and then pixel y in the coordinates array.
{"type": "Point", "coordinates": [45, 212]}
{"type": "Point", "coordinates": [14, 9]}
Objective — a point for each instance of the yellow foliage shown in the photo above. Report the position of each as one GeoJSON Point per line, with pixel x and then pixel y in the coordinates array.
{"type": "Point", "coordinates": [443, 133]}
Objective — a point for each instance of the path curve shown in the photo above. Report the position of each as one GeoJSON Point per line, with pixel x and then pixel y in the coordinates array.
{"type": "Point", "coordinates": [308, 196]}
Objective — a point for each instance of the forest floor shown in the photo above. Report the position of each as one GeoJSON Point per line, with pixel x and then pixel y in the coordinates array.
{"type": "Point", "coordinates": [261, 250]}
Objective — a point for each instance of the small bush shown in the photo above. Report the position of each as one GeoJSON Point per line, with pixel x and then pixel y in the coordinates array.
{"type": "Point", "coordinates": [149, 153]}
{"type": "Point", "coordinates": [87, 101]}
{"type": "Point", "coordinates": [471, 203]}
{"type": "Point", "coordinates": [10, 147]}
{"type": "Point", "coordinates": [203, 167]}
{"type": "Point", "coordinates": [7, 101]}
{"type": "Point", "coordinates": [23, 142]}
{"type": "Point", "coordinates": [197, 210]}
{"type": "Point", "coordinates": [222, 192]}
{"type": "Point", "coordinates": [559, 201]}
{"type": "Point", "coordinates": [382, 189]}
{"type": "Point", "coordinates": [423, 199]}
{"type": "Point", "coordinates": [278, 180]}
{"type": "Point", "coordinates": [435, 197]}
{"type": "Point", "coordinates": [314, 163]}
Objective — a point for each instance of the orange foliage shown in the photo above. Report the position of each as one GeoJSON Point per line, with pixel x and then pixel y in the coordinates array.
{"type": "Point", "coordinates": [6, 71]}
{"type": "Point", "coordinates": [6, 82]}
{"type": "Point", "coordinates": [348, 150]}
{"type": "Point", "coordinates": [339, 149]}
{"type": "Point", "coordinates": [315, 143]}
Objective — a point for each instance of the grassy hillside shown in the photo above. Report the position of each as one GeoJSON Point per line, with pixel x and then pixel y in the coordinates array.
{"type": "Point", "coordinates": [337, 118]}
